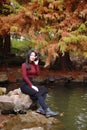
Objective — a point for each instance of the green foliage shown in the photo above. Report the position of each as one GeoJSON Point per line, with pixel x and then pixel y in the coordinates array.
{"type": "Point", "coordinates": [15, 4]}
{"type": "Point", "coordinates": [82, 28]}
{"type": "Point", "coordinates": [10, 8]}
{"type": "Point", "coordinates": [47, 28]}
{"type": "Point", "coordinates": [65, 43]}
{"type": "Point", "coordinates": [48, 38]}
{"type": "Point", "coordinates": [41, 45]}
{"type": "Point", "coordinates": [14, 28]}
{"type": "Point", "coordinates": [18, 47]}
{"type": "Point", "coordinates": [56, 0]}
{"type": "Point", "coordinates": [6, 9]}
{"type": "Point", "coordinates": [32, 42]}
{"type": "Point", "coordinates": [50, 32]}
{"type": "Point", "coordinates": [62, 47]}
{"type": "Point", "coordinates": [82, 38]}
{"type": "Point", "coordinates": [41, 2]}
{"type": "Point", "coordinates": [51, 21]}
{"type": "Point", "coordinates": [79, 42]}
{"type": "Point", "coordinates": [60, 7]}
{"type": "Point", "coordinates": [72, 39]}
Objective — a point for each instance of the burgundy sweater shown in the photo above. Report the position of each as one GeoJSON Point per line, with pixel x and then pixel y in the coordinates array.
{"type": "Point", "coordinates": [29, 73]}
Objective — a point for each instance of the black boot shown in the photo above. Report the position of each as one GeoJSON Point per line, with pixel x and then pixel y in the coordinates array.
{"type": "Point", "coordinates": [40, 110]}
{"type": "Point", "coordinates": [50, 113]}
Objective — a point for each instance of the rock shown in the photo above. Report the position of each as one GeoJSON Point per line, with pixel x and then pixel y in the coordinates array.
{"type": "Point", "coordinates": [35, 128]}
{"type": "Point", "coordinates": [2, 90]}
{"type": "Point", "coordinates": [78, 67]}
{"type": "Point", "coordinates": [36, 118]}
{"type": "Point", "coordinates": [15, 92]}
{"type": "Point", "coordinates": [15, 101]}
{"type": "Point", "coordinates": [6, 104]}
{"type": "Point", "coordinates": [51, 78]}
{"type": "Point", "coordinates": [32, 121]}
{"type": "Point", "coordinates": [21, 102]}
{"type": "Point", "coordinates": [3, 77]}
{"type": "Point", "coordinates": [84, 68]}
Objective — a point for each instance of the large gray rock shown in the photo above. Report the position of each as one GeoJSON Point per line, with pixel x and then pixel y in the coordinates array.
{"type": "Point", "coordinates": [15, 101]}
{"type": "Point", "coordinates": [6, 104]}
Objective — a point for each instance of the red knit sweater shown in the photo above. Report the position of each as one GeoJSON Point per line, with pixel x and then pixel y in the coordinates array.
{"type": "Point", "coordinates": [29, 73]}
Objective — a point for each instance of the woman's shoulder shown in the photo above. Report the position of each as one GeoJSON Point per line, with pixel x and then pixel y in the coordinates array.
{"type": "Point", "coordinates": [23, 64]}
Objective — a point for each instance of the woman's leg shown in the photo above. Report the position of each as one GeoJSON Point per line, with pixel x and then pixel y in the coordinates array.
{"type": "Point", "coordinates": [26, 89]}
{"type": "Point", "coordinates": [41, 101]}
{"type": "Point", "coordinates": [40, 109]}
{"type": "Point", "coordinates": [44, 109]}
{"type": "Point", "coordinates": [40, 96]}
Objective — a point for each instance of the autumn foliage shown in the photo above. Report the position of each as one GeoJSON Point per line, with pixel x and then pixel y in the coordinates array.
{"type": "Point", "coordinates": [54, 26]}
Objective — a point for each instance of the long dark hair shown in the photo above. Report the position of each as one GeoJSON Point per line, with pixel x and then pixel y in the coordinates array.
{"type": "Point", "coordinates": [28, 57]}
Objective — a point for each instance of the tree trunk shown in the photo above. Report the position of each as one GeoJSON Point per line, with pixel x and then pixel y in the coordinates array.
{"type": "Point", "coordinates": [62, 63]}
{"type": "Point", "coordinates": [7, 45]}
{"type": "Point", "coordinates": [1, 46]}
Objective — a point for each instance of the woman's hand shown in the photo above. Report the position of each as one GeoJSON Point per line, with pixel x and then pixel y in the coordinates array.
{"type": "Point", "coordinates": [36, 62]}
{"type": "Point", "coordinates": [35, 88]}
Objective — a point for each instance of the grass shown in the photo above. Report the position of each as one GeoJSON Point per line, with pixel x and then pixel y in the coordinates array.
{"type": "Point", "coordinates": [19, 46]}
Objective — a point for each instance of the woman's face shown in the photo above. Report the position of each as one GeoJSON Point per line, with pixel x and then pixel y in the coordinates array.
{"type": "Point", "coordinates": [32, 56]}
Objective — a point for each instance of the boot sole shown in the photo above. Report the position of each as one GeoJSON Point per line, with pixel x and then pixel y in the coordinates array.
{"type": "Point", "coordinates": [52, 115]}
{"type": "Point", "coordinates": [40, 112]}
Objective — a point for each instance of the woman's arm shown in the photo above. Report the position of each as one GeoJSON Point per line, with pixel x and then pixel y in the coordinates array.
{"type": "Point", "coordinates": [24, 75]}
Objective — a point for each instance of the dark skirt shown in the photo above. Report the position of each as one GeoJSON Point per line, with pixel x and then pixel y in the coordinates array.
{"type": "Point", "coordinates": [26, 89]}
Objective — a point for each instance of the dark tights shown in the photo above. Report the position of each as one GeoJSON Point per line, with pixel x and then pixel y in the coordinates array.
{"type": "Point", "coordinates": [38, 96]}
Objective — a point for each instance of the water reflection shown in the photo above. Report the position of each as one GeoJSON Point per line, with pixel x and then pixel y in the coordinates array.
{"type": "Point", "coordinates": [73, 102]}
{"type": "Point", "coordinates": [81, 119]}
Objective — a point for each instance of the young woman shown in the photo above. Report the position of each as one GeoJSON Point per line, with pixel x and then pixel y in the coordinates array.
{"type": "Point", "coordinates": [30, 69]}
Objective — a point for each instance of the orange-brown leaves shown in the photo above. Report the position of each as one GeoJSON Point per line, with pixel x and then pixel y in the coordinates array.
{"type": "Point", "coordinates": [65, 34]}
{"type": "Point", "coordinates": [50, 51]}
{"type": "Point", "coordinates": [4, 26]}
{"type": "Point", "coordinates": [83, 14]}
{"type": "Point", "coordinates": [55, 5]}
{"type": "Point", "coordinates": [38, 21]}
{"type": "Point", "coordinates": [5, 1]}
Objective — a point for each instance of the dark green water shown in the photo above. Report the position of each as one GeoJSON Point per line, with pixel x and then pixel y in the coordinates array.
{"type": "Point", "coordinates": [73, 102]}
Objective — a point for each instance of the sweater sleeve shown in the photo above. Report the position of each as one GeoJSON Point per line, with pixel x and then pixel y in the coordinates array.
{"type": "Point", "coordinates": [24, 75]}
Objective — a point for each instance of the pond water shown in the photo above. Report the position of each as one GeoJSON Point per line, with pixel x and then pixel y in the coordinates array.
{"type": "Point", "coordinates": [71, 101]}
